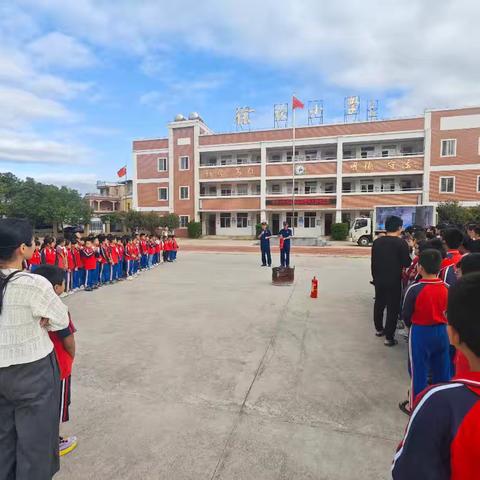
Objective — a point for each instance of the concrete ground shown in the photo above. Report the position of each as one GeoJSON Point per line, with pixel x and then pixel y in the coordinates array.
{"type": "Point", "coordinates": [203, 370]}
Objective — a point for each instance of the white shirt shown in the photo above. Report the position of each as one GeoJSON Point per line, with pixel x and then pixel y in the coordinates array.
{"type": "Point", "coordinates": [26, 300]}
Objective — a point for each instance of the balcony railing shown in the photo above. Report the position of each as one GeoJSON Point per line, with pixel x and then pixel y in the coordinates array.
{"type": "Point", "coordinates": [301, 192]}
{"type": "Point", "coordinates": [366, 191]}
{"type": "Point", "coordinates": [231, 194]}
{"type": "Point", "coordinates": [230, 163]}
{"type": "Point", "coordinates": [370, 155]}
{"type": "Point", "coordinates": [302, 159]}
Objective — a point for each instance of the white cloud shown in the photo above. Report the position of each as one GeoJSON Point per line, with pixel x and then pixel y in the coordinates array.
{"type": "Point", "coordinates": [55, 49]}
{"type": "Point", "coordinates": [18, 147]}
{"type": "Point", "coordinates": [422, 48]}
{"type": "Point", "coordinates": [83, 182]}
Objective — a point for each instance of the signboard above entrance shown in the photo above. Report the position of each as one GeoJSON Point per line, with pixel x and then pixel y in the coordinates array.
{"type": "Point", "coordinates": [301, 201]}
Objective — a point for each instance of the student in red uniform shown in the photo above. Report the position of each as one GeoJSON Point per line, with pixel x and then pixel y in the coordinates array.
{"type": "Point", "coordinates": [64, 346]}
{"type": "Point", "coordinates": [121, 257]}
{"type": "Point", "coordinates": [167, 247]}
{"type": "Point", "coordinates": [78, 270]}
{"type": "Point", "coordinates": [143, 252]}
{"type": "Point", "coordinates": [424, 310]}
{"type": "Point", "coordinates": [36, 259]}
{"type": "Point", "coordinates": [442, 439]}
{"type": "Point", "coordinates": [129, 254]}
{"type": "Point", "coordinates": [47, 252]}
{"type": "Point", "coordinates": [173, 254]}
{"type": "Point", "coordinates": [453, 239]}
{"type": "Point", "coordinates": [70, 266]}
{"type": "Point", "coordinates": [151, 252]}
{"type": "Point", "coordinates": [113, 258]}
{"type": "Point", "coordinates": [90, 265]}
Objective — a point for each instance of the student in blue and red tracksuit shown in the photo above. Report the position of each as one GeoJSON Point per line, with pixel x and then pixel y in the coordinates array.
{"type": "Point", "coordinates": [143, 252]}
{"type": "Point", "coordinates": [89, 264]}
{"type": "Point", "coordinates": [36, 259]}
{"type": "Point", "coordinates": [48, 252]}
{"type": "Point", "coordinates": [424, 310]}
{"type": "Point", "coordinates": [442, 440]}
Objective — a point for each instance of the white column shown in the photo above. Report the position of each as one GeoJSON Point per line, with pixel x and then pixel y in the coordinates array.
{"type": "Point", "coordinates": [338, 212]}
{"type": "Point", "coordinates": [263, 183]}
{"type": "Point", "coordinates": [427, 147]}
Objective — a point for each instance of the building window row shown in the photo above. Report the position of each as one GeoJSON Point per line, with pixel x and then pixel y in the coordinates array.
{"type": "Point", "coordinates": [163, 194]}
{"type": "Point", "coordinates": [183, 221]}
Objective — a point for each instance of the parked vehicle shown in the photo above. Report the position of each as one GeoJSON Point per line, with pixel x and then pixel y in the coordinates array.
{"type": "Point", "coordinates": [365, 229]}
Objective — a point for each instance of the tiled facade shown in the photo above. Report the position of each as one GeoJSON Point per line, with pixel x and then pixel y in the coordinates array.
{"type": "Point", "coordinates": [231, 181]}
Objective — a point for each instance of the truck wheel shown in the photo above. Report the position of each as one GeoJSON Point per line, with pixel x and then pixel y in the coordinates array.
{"type": "Point", "coordinates": [364, 241]}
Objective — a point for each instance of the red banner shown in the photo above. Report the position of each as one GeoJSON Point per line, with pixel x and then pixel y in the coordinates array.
{"type": "Point", "coordinates": [301, 201]}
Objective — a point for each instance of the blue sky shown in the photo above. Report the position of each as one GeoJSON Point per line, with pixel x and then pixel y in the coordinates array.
{"type": "Point", "coordinates": [80, 79]}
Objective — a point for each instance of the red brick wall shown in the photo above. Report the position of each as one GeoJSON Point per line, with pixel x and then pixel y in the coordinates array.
{"type": "Point", "coordinates": [230, 204]}
{"type": "Point", "coordinates": [183, 178]}
{"type": "Point", "coordinates": [156, 144]}
{"type": "Point", "coordinates": [465, 186]}
{"type": "Point", "coordinates": [230, 172]}
{"type": "Point", "coordinates": [358, 202]}
{"type": "Point", "coordinates": [285, 169]}
{"type": "Point", "coordinates": [147, 166]}
{"type": "Point", "coordinates": [148, 194]}
{"type": "Point", "coordinates": [467, 139]}
{"type": "Point", "coordinates": [316, 131]}
{"type": "Point", "coordinates": [390, 165]}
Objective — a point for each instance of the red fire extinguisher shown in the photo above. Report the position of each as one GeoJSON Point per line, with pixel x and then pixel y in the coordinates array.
{"type": "Point", "coordinates": [282, 241]}
{"type": "Point", "coordinates": [314, 291]}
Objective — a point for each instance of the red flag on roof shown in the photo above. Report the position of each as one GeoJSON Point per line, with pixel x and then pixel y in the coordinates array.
{"type": "Point", "coordinates": [122, 172]}
{"type": "Point", "coordinates": [296, 103]}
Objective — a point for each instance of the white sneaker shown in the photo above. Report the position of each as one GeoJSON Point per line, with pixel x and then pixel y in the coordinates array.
{"type": "Point", "coordinates": [64, 294]}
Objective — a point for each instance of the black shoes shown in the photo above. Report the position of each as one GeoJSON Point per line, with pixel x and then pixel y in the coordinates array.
{"type": "Point", "coordinates": [390, 343]}
{"type": "Point", "coordinates": [381, 333]}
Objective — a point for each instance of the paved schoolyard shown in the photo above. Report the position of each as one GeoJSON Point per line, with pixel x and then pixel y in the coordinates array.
{"type": "Point", "coordinates": [203, 370]}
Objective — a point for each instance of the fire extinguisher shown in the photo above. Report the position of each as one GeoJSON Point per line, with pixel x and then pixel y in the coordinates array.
{"type": "Point", "coordinates": [314, 291]}
{"type": "Point", "coordinates": [282, 241]}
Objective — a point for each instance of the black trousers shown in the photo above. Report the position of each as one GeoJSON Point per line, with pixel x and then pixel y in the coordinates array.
{"type": "Point", "coordinates": [29, 420]}
{"type": "Point", "coordinates": [285, 256]}
{"type": "Point", "coordinates": [389, 296]}
{"type": "Point", "coordinates": [266, 256]}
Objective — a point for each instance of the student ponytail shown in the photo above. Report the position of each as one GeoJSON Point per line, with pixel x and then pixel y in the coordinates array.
{"type": "Point", "coordinates": [13, 233]}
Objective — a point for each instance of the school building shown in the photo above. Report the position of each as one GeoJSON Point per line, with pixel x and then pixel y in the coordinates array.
{"type": "Point", "coordinates": [231, 181]}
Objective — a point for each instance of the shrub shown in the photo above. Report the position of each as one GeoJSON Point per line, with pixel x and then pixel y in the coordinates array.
{"type": "Point", "coordinates": [339, 231]}
{"type": "Point", "coordinates": [258, 229]}
{"type": "Point", "coordinates": [194, 229]}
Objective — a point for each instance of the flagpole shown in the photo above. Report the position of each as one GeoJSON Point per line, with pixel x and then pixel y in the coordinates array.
{"type": "Point", "coordinates": [293, 172]}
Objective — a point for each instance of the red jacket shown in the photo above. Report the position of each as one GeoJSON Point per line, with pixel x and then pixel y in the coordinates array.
{"type": "Point", "coordinates": [70, 260]}
{"type": "Point", "coordinates": [49, 256]}
{"type": "Point", "coordinates": [89, 259]}
{"type": "Point", "coordinates": [114, 253]}
{"type": "Point", "coordinates": [64, 360]}
{"type": "Point", "coordinates": [36, 258]}
{"type": "Point", "coordinates": [77, 258]}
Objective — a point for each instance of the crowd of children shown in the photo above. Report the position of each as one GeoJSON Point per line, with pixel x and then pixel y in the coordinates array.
{"type": "Point", "coordinates": [93, 261]}
{"type": "Point", "coordinates": [440, 308]}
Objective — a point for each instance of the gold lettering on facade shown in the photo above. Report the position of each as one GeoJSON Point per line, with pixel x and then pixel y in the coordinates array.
{"type": "Point", "coordinates": [391, 164]}
{"type": "Point", "coordinates": [368, 166]}
{"type": "Point", "coordinates": [354, 166]}
{"type": "Point", "coordinates": [407, 164]}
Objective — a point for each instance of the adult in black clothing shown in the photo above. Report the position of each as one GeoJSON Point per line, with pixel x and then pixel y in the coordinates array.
{"type": "Point", "coordinates": [390, 255]}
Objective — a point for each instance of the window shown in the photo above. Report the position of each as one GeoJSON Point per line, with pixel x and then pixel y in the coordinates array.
{"type": "Point", "coordinates": [226, 190]}
{"type": "Point", "coordinates": [163, 193]}
{"type": "Point", "coordinates": [242, 220]}
{"type": "Point", "coordinates": [447, 184]}
{"type": "Point", "coordinates": [242, 189]}
{"type": "Point", "coordinates": [202, 190]}
{"type": "Point", "coordinates": [184, 163]}
{"type": "Point", "coordinates": [212, 161]}
{"type": "Point", "coordinates": [225, 220]}
{"type": "Point", "coordinates": [310, 187]}
{"type": "Point", "coordinates": [348, 154]}
{"type": "Point", "coordinates": [276, 158]}
{"type": "Point", "coordinates": [360, 223]}
{"type": "Point", "coordinates": [162, 164]}
{"type": "Point", "coordinates": [366, 152]}
{"type": "Point", "coordinates": [184, 193]}
{"type": "Point", "coordinates": [276, 188]}
{"type": "Point", "coordinates": [346, 187]}
{"type": "Point", "coordinates": [310, 155]}
{"type": "Point", "coordinates": [389, 150]}
{"type": "Point", "coordinates": [184, 219]}
{"type": "Point", "coordinates": [289, 187]}
{"type": "Point", "coordinates": [242, 158]}
{"type": "Point", "coordinates": [366, 186]}
{"type": "Point", "coordinates": [290, 155]}
{"type": "Point", "coordinates": [225, 160]}
{"type": "Point", "coordinates": [407, 150]}
{"type": "Point", "coordinates": [330, 187]}
{"type": "Point", "coordinates": [257, 189]}
{"type": "Point", "coordinates": [449, 148]}
{"type": "Point", "coordinates": [406, 185]}
{"type": "Point", "coordinates": [309, 219]}
{"type": "Point", "coordinates": [330, 155]}
{"type": "Point", "coordinates": [212, 190]}
{"type": "Point", "coordinates": [388, 185]}
{"type": "Point", "coordinates": [290, 217]}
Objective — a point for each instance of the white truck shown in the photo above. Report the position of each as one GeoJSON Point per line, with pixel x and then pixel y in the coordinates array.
{"type": "Point", "coordinates": [364, 229]}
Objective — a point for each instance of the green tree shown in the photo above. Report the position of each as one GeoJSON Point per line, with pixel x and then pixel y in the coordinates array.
{"type": "Point", "coordinates": [133, 220]}
{"type": "Point", "coordinates": [8, 185]}
{"type": "Point", "coordinates": [151, 221]}
{"type": "Point", "coordinates": [452, 212]}
{"type": "Point", "coordinates": [172, 221]}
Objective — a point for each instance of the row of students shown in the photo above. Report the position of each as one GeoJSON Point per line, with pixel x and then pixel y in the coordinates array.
{"type": "Point", "coordinates": [105, 259]}
{"type": "Point", "coordinates": [441, 439]}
